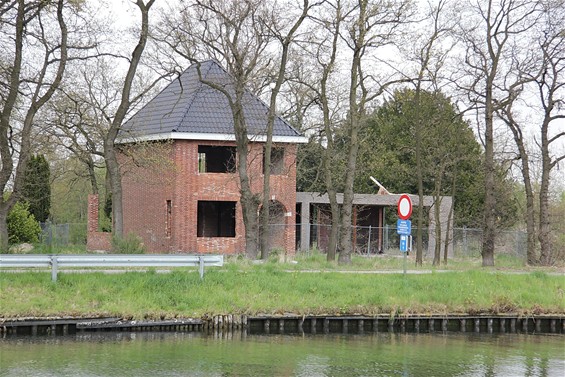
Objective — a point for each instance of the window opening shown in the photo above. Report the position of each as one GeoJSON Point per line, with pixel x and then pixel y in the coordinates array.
{"type": "Point", "coordinates": [277, 161]}
{"type": "Point", "coordinates": [168, 218]}
{"type": "Point", "coordinates": [216, 159]}
{"type": "Point", "coordinates": [216, 219]}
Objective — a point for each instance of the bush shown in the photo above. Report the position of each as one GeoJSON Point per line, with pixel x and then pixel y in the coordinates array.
{"type": "Point", "coordinates": [22, 226]}
{"type": "Point", "coordinates": [130, 244]}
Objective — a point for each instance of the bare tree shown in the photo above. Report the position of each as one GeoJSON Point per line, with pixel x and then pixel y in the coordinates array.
{"type": "Point", "coordinates": [285, 39]}
{"type": "Point", "coordinates": [328, 67]}
{"type": "Point", "coordinates": [550, 87]}
{"type": "Point", "coordinates": [76, 118]}
{"type": "Point", "coordinates": [110, 152]}
{"type": "Point", "coordinates": [26, 89]}
{"type": "Point", "coordinates": [371, 25]}
{"type": "Point", "coordinates": [490, 31]}
{"type": "Point", "coordinates": [542, 70]}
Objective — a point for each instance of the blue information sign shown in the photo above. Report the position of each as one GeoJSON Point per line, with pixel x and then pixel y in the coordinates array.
{"type": "Point", "coordinates": [404, 227]}
{"type": "Point", "coordinates": [403, 242]}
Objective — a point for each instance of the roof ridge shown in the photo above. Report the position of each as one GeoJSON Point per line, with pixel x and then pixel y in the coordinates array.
{"type": "Point", "coordinates": [196, 92]}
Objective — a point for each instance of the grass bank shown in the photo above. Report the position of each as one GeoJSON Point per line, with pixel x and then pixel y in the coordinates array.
{"type": "Point", "coordinates": [274, 288]}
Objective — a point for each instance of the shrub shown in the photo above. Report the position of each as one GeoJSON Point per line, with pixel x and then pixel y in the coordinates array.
{"type": "Point", "coordinates": [130, 244]}
{"type": "Point", "coordinates": [22, 226]}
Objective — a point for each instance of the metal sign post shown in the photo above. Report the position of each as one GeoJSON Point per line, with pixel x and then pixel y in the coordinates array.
{"type": "Point", "coordinates": [404, 248]}
{"type": "Point", "coordinates": [404, 226]}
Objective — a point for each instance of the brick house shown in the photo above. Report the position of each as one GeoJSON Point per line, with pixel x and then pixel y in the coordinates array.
{"type": "Point", "coordinates": [180, 185]}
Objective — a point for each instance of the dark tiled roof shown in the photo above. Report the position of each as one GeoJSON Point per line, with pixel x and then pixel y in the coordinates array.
{"type": "Point", "coordinates": [187, 105]}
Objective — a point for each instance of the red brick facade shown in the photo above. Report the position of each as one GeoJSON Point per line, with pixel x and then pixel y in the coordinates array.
{"type": "Point", "coordinates": [148, 193]}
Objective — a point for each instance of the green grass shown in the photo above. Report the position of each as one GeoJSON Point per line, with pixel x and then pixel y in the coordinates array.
{"type": "Point", "coordinates": [42, 248]}
{"type": "Point", "coordinates": [274, 288]}
{"type": "Point", "coordinates": [314, 260]}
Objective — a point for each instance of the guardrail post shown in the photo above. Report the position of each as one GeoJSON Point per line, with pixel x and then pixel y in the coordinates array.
{"type": "Point", "coordinates": [201, 266]}
{"type": "Point", "coordinates": [54, 268]}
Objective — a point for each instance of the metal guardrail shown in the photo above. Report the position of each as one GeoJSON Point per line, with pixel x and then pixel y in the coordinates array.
{"type": "Point", "coordinates": [108, 260]}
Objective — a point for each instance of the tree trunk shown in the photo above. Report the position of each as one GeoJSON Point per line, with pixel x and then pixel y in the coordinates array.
{"type": "Point", "coordinates": [450, 216]}
{"type": "Point", "coordinates": [489, 222]}
{"type": "Point", "coordinates": [345, 241]}
{"type": "Point", "coordinates": [92, 177]}
{"type": "Point", "coordinates": [544, 220]}
{"type": "Point", "coordinates": [264, 228]}
{"type": "Point", "coordinates": [545, 229]}
{"type": "Point", "coordinates": [115, 177]}
{"type": "Point", "coordinates": [356, 109]}
{"type": "Point", "coordinates": [448, 230]}
{"type": "Point", "coordinates": [532, 258]}
{"type": "Point", "coordinates": [332, 195]}
{"type": "Point", "coordinates": [437, 249]}
{"type": "Point", "coordinates": [531, 251]}
{"type": "Point", "coordinates": [419, 174]}
{"type": "Point", "coordinates": [249, 206]}
{"type": "Point", "coordinates": [249, 201]}
{"type": "Point", "coordinates": [437, 213]}
{"type": "Point", "coordinates": [329, 151]}
{"type": "Point", "coordinates": [437, 219]}
{"type": "Point", "coordinates": [4, 209]}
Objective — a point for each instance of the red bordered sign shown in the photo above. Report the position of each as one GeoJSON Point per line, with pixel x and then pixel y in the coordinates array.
{"type": "Point", "coordinates": [404, 207]}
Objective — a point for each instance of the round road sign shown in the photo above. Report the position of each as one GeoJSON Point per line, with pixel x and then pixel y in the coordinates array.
{"type": "Point", "coordinates": [404, 207]}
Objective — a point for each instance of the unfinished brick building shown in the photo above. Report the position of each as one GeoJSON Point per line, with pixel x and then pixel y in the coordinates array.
{"type": "Point", "coordinates": [180, 185]}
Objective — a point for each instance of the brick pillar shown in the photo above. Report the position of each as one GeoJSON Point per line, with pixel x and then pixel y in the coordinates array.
{"type": "Point", "coordinates": [96, 240]}
{"type": "Point", "coordinates": [92, 216]}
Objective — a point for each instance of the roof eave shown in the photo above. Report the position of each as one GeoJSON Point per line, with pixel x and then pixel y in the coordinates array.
{"type": "Point", "coordinates": [210, 137]}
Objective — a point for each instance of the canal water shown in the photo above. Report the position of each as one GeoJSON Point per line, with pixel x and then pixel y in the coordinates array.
{"type": "Point", "coordinates": [237, 354]}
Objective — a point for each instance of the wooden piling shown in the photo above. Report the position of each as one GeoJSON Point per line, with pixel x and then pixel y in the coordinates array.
{"type": "Point", "coordinates": [313, 325]}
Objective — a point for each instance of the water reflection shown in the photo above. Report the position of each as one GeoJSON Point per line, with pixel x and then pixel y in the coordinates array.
{"type": "Point", "coordinates": [240, 354]}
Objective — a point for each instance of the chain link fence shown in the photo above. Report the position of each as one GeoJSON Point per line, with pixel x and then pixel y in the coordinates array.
{"type": "Point", "coordinates": [368, 240]}
{"type": "Point", "coordinates": [63, 234]}
{"type": "Point", "coordinates": [466, 242]}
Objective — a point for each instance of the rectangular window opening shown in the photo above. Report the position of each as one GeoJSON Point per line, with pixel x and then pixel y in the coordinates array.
{"type": "Point", "coordinates": [216, 219]}
{"type": "Point", "coordinates": [277, 161]}
{"type": "Point", "coordinates": [216, 159]}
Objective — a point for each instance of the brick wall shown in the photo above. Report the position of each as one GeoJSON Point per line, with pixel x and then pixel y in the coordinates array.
{"type": "Point", "coordinates": [147, 182]}
{"type": "Point", "coordinates": [147, 189]}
